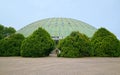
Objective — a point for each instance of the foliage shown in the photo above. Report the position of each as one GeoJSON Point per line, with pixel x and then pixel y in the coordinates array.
{"type": "Point", "coordinates": [104, 43]}
{"type": "Point", "coordinates": [6, 31]}
{"type": "Point", "coordinates": [118, 50]}
{"type": "Point", "coordinates": [1, 31]}
{"type": "Point", "coordinates": [74, 45]}
{"type": "Point", "coordinates": [38, 44]}
{"type": "Point", "coordinates": [10, 46]}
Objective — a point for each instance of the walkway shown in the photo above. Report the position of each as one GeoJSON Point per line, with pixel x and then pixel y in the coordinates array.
{"type": "Point", "coordinates": [59, 66]}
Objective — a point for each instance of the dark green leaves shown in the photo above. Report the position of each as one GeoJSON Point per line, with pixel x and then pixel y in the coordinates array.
{"type": "Point", "coordinates": [39, 44]}
{"type": "Point", "coordinates": [75, 45]}
{"type": "Point", "coordinates": [104, 43]}
{"type": "Point", "coordinates": [6, 31]}
{"type": "Point", "coordinates": [10, 46]}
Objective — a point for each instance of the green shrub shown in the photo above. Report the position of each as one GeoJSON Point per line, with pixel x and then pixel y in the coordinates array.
{"type": "Point", "coordinates": [104, 43]}
{"type": "Point", "coordinates": [10, 46]}
{"type": "Point", "coordinates": [39, 44]}
{"type": "Point", "coordinates": [74, 45]}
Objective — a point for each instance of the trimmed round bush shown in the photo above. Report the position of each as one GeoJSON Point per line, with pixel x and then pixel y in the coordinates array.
{"type": "Point", "coordinates": [104, 43]}
{"type": "Point", "coordinates": [10, 46]}
{"type": "Point", "coordinates": [74, 45]}
{"type": "Point", "coordinates": [39, 44]}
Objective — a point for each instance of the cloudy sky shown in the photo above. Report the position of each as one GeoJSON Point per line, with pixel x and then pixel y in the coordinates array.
{"type": "Point", "coordinates": [98, 13]}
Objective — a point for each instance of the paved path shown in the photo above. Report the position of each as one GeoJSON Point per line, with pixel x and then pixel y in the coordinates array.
{"type": "Point", "coordinates": [59, 66]}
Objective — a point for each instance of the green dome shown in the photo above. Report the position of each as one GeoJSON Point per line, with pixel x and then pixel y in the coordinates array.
{"type": "Point", "coordinates": [59, 27]}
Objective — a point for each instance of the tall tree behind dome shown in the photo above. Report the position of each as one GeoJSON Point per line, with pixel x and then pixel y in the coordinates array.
{"type": "Point", "coordinates": [6, 31]}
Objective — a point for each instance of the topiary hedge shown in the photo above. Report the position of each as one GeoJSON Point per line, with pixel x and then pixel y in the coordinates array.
{"type": "Point", "coordinates": [74, 45]}
{"type": "Point", "coordinates": [39, 44]}
{"type": "Point", "coordinates": [10, 46]}
{"type": "Point", "coordinates": [104, 43]}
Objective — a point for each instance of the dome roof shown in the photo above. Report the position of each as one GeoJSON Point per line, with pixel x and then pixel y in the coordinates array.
{"type": "Point", "coordinates": [60, 27]}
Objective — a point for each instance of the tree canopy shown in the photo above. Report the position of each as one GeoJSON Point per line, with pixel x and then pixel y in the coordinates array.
{"type": "Point", "coordinates": [6, 31]}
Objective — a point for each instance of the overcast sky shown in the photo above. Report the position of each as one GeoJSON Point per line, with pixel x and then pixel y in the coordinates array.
{"type": "Point", "coordinates": [98, 13]}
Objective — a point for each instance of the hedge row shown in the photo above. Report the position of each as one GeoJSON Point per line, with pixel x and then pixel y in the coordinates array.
{"type": "Point", "coordinates": [39, 44]}
{"type": "Point", "coordinates": [102, 44]}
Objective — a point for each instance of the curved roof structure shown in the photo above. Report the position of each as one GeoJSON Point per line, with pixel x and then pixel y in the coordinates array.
{"type": "Point", "coordinates": [60, 27]}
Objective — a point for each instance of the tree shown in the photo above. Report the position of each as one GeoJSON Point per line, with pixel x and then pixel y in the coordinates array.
{"type": "Point", "coordinates": [104, 43]}
{"type": "Point", "coordinates": [1, 31]}
{"type": "Point", "coordinates": [39, 44]}
{"type": "Point", "coordinates": [74, 45]}
{"type": "Point", "coordinates": [10, 46]}
{"type": "Point", "coordinates": [6, 31]}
